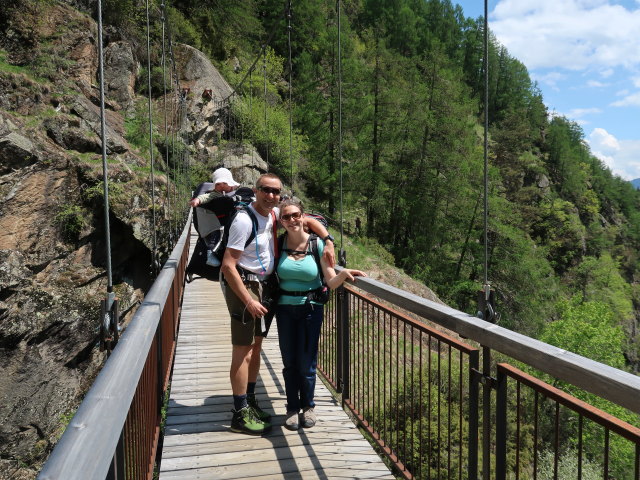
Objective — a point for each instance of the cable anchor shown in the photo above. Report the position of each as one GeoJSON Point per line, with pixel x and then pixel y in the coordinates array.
{"type": "Point", "coordinates": [487, 304]}
{"type": "Point", "coordinates": [109, 323]}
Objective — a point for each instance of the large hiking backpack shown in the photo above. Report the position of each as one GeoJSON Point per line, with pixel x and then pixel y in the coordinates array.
{"type": "Point", "coordinates": [221, 247]}
{"type": "Point", "coordinates": [211, 220]}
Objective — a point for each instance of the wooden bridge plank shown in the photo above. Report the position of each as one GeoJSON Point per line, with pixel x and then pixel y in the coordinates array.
{"type": "Point", "coordinates": [198, 442]}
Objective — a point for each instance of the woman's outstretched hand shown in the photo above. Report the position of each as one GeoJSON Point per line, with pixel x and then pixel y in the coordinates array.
{"type": "Point", "coordinates": [350, 274]}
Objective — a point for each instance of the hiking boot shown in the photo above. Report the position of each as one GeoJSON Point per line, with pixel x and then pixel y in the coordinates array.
{"type": "Point", "coordinates": [245, 421]}
{"type": "Point", "coordinates": [291, 422]}
{"type": "Point", "coordinates": [309, 417]}
{"type": "Point", "coordinates": [260, 414]}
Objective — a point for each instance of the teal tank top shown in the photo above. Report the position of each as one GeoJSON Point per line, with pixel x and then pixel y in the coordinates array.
{"type": "Point", "coordinates": [298, 276]}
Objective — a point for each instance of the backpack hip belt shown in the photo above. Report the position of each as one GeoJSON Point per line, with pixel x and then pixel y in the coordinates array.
{"type": "Point", "coordinates": [247, 276]}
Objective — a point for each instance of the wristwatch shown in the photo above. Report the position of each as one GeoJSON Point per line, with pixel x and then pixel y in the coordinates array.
{"type": "Point", "coordinates": [329, 237]}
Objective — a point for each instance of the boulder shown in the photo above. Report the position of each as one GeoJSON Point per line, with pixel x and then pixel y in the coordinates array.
{"type": "Point", "coordinates": [90, 113]}
{"type": "Point", "coordinates": [120, 69]}
{"type": "Point", "coordinates": [70, 137]}
{"type": "Point", "coordinates": [16, 151]}
{"type": "Point", "coordinates": [198, 74]}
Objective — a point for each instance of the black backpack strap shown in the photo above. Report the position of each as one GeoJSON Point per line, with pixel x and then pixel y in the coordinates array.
{"type": "Point", "coordinates": [254, 222]}
{"type": "Point", "coordinates": [313, 245]}
{"type": "Point", "coordinates": [281, 240]}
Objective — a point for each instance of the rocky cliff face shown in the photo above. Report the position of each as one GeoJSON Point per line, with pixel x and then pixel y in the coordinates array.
{"type": "Point", "coordinates": [52, 236]}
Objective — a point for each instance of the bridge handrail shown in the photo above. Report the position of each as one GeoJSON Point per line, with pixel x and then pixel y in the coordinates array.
{"type": "Point", "coordinates": [610, 383]}
{"type": "Point", "coordinates": [86, 447]}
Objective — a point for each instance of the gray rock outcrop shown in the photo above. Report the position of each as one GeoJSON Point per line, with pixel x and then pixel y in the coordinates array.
{"type": "Point", "coordinates": [120, 69]}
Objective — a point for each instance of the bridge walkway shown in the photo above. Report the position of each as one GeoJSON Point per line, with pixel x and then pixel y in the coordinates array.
{"type": "Point", "coordinates": [198, 442]}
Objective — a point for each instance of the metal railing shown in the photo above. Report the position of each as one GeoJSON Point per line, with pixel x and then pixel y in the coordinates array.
{"type": "Point", "coordinates": [582, 435]}
{"type": "Point", "coordinates": [115, 431]}
{"type": "Point", "coordinates": [415, 391]}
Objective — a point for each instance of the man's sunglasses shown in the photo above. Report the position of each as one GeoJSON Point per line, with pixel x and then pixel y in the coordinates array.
{"type": "Point", "coordinates": [288, 216]}
{"type": "Point", "coordinates": [268, 190]}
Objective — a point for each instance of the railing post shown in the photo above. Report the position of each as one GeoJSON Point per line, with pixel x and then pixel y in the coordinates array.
{"type": "Point", "coordinates": [342, 357]}
{"type": "Point", "coordinates": [160, 391]}
{"type": "Point", "coordinates": [501, 427]}
{"type": "Point", "coordinates": [474, 413]}
{"type": "Point", "coordinates": [339, 335]}
{"type": "Point", "coordinates": [486, 414]}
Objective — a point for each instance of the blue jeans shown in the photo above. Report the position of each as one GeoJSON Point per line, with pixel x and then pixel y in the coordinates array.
{"type": "Point", "coordinates": [299, 332]}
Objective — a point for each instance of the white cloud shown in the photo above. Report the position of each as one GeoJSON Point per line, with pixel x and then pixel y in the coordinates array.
{"type": "Point", "coordinates": [632, 100]}
{"type": "Point", "coordinates": [608, 72]}
{"type": "Point", "coordinates": [603, 141]}
{"type": "Point", "coordinates": [636, 81]}
{"type": "Point", "coordinates": [551, 79]}
{"type": "Point", "coordinates": [621, 156]}
{"type": "Point", "coordinates": [596, 84]}
{"type": "Point", "coordinates": [572, 34]}
{"type": "Point", "coordinates": [581, 112]}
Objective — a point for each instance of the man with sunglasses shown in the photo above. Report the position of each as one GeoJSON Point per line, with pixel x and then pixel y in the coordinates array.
{"type": "Point", "coordinates": [244, 272]}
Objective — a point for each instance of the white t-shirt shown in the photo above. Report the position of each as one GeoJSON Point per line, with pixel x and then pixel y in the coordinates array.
{"type": "Point", "coordinates": [258, 257]}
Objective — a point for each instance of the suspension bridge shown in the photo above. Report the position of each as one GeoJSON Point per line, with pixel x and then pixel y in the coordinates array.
{"type": "Point", "coordinates": [409, 388]}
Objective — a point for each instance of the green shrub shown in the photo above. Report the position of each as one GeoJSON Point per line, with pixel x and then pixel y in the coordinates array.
{"type": "Point", "coordinates": [71, 220]}
{"type": "Point", "coordinates": [157, 81]}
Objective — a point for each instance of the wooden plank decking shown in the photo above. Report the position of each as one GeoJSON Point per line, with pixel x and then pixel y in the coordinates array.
{"type": "Point", "coordinates": [198, 443]}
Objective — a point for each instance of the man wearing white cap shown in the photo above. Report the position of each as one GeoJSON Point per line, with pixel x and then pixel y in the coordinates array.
{"type": "Point", "coordinates": [223, 185]}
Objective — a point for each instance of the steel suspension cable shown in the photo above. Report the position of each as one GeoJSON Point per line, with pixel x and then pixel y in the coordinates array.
{"type": "Point", "coordinates": [486, 144]}
{"type": "Point", "coordinates": [251, 108]}
{"type": "Point", "coordinates": [174, 134]}
{"type": "Point", "coordinates": [266, 125]}
{"type": "Point", "coordinates": [109, 317]}
{"type": "Point", "coordinates": [340, 130]}
{"type": "Point", "coordinates": [105, 179]}
{"type": "Point", "coordinates": [154, 265]}
{"type": "Point", "coordinates": [488, 312]}
{"type": "Point", "coordinates": [291, 178]}
{"type": "Point", "coordinates": [166, 143]}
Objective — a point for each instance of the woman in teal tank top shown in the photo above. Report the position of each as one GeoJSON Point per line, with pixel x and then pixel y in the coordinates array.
{"type": "Point", "coordinates": [298, 316]}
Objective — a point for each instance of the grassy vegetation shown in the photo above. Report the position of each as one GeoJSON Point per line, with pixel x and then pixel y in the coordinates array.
{"type": "Point", "coordinates": [71, 219]}
{"type": "Point", "coordinates": [5, 66]}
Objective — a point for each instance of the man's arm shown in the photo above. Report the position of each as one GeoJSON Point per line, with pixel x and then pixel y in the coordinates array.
{"type": "Point", "coordinates": [233, 279]}
{"type": "Point", "coordinates": [316, 227]}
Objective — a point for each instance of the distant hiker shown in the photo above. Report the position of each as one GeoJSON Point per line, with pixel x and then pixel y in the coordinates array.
{"type": "Point", "coordinates": [304, 278]}
{"type": "Point", "coordinates": [358, 226]}
{"type": "Point", "coordinates": [245, 270]}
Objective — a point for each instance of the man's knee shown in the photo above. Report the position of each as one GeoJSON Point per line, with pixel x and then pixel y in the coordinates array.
{"type": "Point", "coordinates": [241, 354]}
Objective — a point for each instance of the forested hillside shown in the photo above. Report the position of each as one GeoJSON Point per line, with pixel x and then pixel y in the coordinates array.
{"type": "Point", "coordinates": [563, 230]}
{"type": "Point", "coordinates": [402, 132]}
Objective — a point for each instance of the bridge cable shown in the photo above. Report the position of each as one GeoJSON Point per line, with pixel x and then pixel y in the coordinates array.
{"type": "Point", "coordinates": [486, 297]}
{"type": "Point", "coordinates": [176, 125]}
{"type": "Point", "coordinates": [291, 178]}
{"type": "Point", "coordinates": [166, 143]}
{"type": "Point", "coordinates": [486, 144]}
{"type": "Point", "coordinates": [154, 262]}
{"type": "Point", "coordinates": [266, 125]}
{"type": "Point", "coordinates": [342, 253]}
{"type": "Point", "coordinates": [251, 111]}
{"type": "Point", "coordinates": [109, 306]}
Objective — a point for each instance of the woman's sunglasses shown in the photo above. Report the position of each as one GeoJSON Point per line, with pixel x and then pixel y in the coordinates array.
{"type": "Point", "coordinates": [268, 190]}
{"type": "Point", "coordinates": [288, 216]}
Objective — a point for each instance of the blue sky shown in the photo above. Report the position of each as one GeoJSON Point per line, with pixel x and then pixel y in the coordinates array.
{"type": "Point", "coordinates": [585, 56]}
